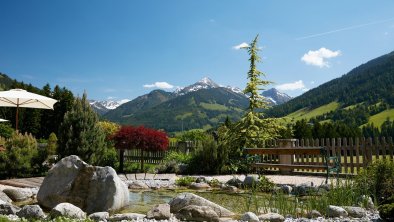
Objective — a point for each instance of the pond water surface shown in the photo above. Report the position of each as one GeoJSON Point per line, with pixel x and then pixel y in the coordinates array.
{"type": "Point", "coordinates": [143, 201]}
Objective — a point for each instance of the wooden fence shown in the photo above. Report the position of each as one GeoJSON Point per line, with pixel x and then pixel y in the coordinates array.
{"type": "Point", "coordinates": [157, 157]}
{"type": "Point", "coordinates": [354, 153]}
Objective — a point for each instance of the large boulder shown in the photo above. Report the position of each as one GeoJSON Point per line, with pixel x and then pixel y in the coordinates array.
{"type": "Point", "coordinates": [187, 199]}
{"type": "Point", "coordinates": [91, 188]}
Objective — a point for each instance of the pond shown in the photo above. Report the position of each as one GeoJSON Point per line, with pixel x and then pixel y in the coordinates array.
{"type": "Point", "coordinates": [143, 201]}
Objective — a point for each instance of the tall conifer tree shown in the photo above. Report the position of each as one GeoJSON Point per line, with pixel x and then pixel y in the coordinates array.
{"type": "Point", "coordinates": [79, 134]}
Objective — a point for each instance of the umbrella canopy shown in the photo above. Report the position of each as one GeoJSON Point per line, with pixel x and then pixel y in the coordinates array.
{"type": "Point", "coordinates": [21, 98]}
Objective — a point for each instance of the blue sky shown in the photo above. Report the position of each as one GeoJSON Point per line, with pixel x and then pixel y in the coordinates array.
{"type": "Point", "coordinates": [122, 49]}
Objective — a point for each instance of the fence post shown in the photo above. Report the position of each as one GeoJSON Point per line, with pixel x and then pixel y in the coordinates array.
{"type": "Point", "coordinates": [286, 159]}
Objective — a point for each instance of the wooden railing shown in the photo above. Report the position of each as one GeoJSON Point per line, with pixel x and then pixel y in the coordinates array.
{"type": "Point", "coordinates": [354, 154]}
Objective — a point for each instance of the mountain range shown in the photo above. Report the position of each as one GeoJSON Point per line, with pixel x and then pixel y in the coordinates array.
{"type": "Point", "coordinates": [365, 95]}
{"type": "Point", "coordinates": [203, 104]}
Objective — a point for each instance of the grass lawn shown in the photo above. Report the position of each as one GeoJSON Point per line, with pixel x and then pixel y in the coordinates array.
{"type": "Point", "coordinates": [379, 118]}
{"type": "Point", "coordinates": [308, 114]}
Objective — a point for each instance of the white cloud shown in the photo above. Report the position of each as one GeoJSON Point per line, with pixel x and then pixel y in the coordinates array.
{"type": "Point", "coordinates": [297, 85]}
{"type": "Point", "coordinates": [240, 46]}
{"type": "Point", "coordinates": [318, 57]}
{"type": "Point", "coordinates": [160, 85]}
{"type": "Point", "coordinates": [312, 82]}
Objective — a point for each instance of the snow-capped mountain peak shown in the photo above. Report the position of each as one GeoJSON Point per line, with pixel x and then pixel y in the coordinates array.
{"type": "Point", "coordinates": [275, 97]}
{"type": "Point", "coordinates": [104, 106]}
{"type": "Point", "coordinates": [204, 83]}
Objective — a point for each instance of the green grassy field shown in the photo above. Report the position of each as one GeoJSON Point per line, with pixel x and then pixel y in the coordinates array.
{"type": "Point", "coordinates": [308, 114]}
{"type": "Point", "coordinates": [214, 107]}
{"type": "Point", "coordinates": [379, 118]}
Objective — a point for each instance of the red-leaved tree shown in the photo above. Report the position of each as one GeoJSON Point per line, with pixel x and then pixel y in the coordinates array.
{"type": "Point", "coordinates": [145, 139]}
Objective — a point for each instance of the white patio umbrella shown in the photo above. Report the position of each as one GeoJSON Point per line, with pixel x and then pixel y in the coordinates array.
{"type": "Point", "coordinates": [21, 98]}
{"type": "Point", "coordinates": [3, 120]}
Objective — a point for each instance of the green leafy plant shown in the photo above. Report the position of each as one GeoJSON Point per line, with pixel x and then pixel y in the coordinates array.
{"type": "Point", "coordinates": [377, 180]}
{"type": "Point", "coordinates": [265, 184]}
{"type": "Point", "coordinates": [185, 181]}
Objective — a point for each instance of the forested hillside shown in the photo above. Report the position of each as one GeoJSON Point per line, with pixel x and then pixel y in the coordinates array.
{"type": "Point", "coordinates": [369, 83]}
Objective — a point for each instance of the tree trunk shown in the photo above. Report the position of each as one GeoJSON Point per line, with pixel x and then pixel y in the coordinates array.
{"type": "Point", "coordinates": [142, 160]}
{"type": "Point", "coordinates": [121, 159]}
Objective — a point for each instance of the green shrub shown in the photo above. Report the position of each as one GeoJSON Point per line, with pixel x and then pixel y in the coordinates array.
{"type": "Point", "coordinates": [6, 130]}
{"type": "Point", "coordinates": [22, 155]}
{"type": "Point", "coordinates": [377, 180]}
{"type": "Point", "coordinates": [265, 184]}
{"type": "Point", "coordinates": [172, 161]}
{"type": "Point", "coordinates": [185, 181]}
{"type": "Point", "coordinates": [214, 183]}
{"type": "Point", "coordinates": [386, 211]}
{"type": "Point", "coordinates": [207, 158]}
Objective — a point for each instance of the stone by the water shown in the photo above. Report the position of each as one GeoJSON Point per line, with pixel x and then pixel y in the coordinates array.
{"type": "Point", "coordinates": [7, 209]}
{"type": "Point", "coordinates": [272, 217]}
{"type": "Point", "coordinates": [18, 194]}
{"type": "Point", "coordinates": [99, 216]}
{"type": "Point", "coordinates": [250, 217]}
{"type": "Point", "coordinates": [335, 211]}
{"type": "Point", "coordinates": [159, 212]}
{"type": "Point", "coordinates": [186, 199]}
{"type": "Point", "coordinates": [91, 188]}
{"type": "Point", "coordinates": [197, 213]}
{"type": "Point", "coordinates": [31, 212]}
{"type": "Point", "coordinates": [67, 210]}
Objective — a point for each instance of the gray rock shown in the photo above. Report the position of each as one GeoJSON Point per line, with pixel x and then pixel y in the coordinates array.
{"type": "Point", "coordinates": [31, 212]}
{"type": "Point", "coordinates": [91, 188]}
{"type": "Point", "coordinates": [304, 189]}
{"type": "Point", "coordinates": [16, 194]}
{"type": "Point", "coordinates": [159, 212]}
{"type": "Point", "coordinates": [127, 217]}
{"type": "Point", "coordinates": [186, 199]}
{"type": "Point", "coordinates": [235, 182]}
{"type": "Point", "coordinates": [138, 185]}
{"type": "Point", "coordinates": [272, 217]}
{"type": "Point", "coordinates": [4, 197]}
{"type": "Point", "coordinates": [199, 186]}
{"type": "Point", "coordinates": [197, 213]}
{"type": "Point", "coordinates": [99, 216]}
{"type": "Point", "coordinates": [8, 208]}
{"type": "Point", "coordinates": [251, 181]}
{"type": "Point", "coordinates": [314, 214]}
{"type": "Point", "coordinates": [325, 187]}
{"type": "Point", "coordinates": [230, 189]}
{"type": "Point", "coordinates": [335, 211]}
{"type": "Point", "coordinates": [250, 217]}
{"type": "Point", "coordinates": [285, 189]}
{"type": "Point", "coordinates": [356, 212]}
{"type": "Point", "coordinates": [67, 210]}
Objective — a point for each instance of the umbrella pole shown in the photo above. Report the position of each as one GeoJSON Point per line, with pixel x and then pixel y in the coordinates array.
{"type": "Point", "coordinates": [17, 114]}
